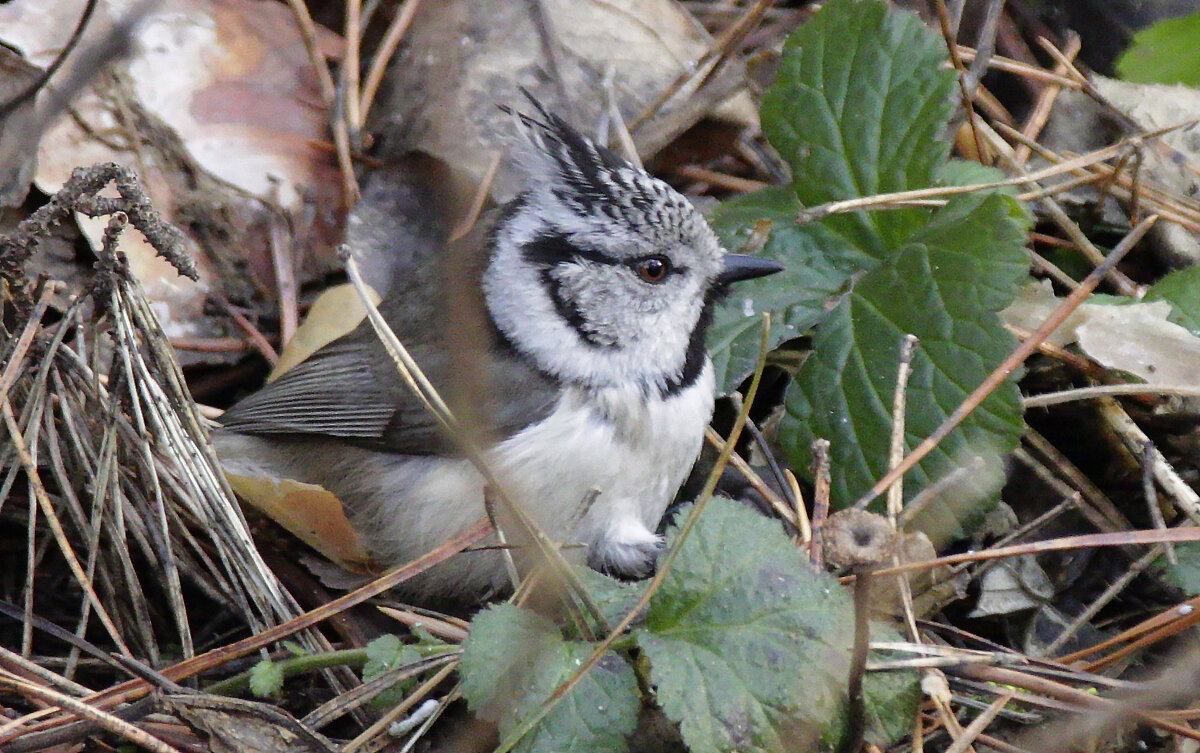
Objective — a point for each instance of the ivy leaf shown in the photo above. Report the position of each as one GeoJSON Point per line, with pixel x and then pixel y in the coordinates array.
{"type": "Point", "coordinates": [513, 659]}
{"type": "Point", "coordinates": [747, 642]}
{"type": "Point", "coordinates": [945, 288]}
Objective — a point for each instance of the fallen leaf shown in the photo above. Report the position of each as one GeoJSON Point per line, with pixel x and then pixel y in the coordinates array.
{"type": "Point", "coordinates": [1136, 338]}
{"type": "Point", "coordinates": [312, 514]}
{"type": "Point", "coordinates": [459, 65]}
{"type": "Point", "coordinates": [336, 312]}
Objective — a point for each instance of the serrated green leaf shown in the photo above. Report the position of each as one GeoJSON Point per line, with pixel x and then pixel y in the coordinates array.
{"type": "Point", "coordinates": [614, 597]}
{"type": "Point", "coordinates": [890, 699]}
{"type": "Point", "coordinates": [513, 659]}
{"type": "Point", "coordinates": [383, 654]}
{"type": "Point", "coordinates": [1164, 53]}
{"type": "Point", "coordinates": [944, 288]}
{"type": "Point", "coordinates": [266, 679]}
{"type": "Point", "coordinates": [858, 108]}
{"type": "Point", "coordinates": [747, 642]}
{"type": "Point", "coordinates": [817, 265]}
{"type": "Point", "coordinates": [959, 172]}
{"type": "Point", "coordinates": [1181, 289]}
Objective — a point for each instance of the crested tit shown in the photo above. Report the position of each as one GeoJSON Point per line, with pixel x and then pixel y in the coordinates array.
{"type": "Point", "coordinates": [594, 289]}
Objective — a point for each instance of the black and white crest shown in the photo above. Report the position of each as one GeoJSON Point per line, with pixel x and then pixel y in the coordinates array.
{"type": "Point", "coordinates": [591, 179]}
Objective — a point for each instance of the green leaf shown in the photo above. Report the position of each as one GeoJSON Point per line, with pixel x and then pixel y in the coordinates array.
{"type": "Point", "coordinates": [1181, 289]}
{"type": "Point", "coordinates": [614, 597]}
{"type": "Point", "coordinates": [817, 266]}
{"type": "Point", "coordinates": [1164, 53]}
{"type": "Point", "coordinates": [858, 108]}
{"type": "Point", "coordinates": [748, 644]}
{"type": "Point", "coordinates": [959, 172]}
{"type": "Point", "coordinates": [384, 654]}
{"type": "Point", "coordinates": [513, 659]}
{"type": "Point", "coordinates": [1186, 574]}
{"type": "Point", "coordinates": [891, 698]}
{"type": "Point", "coordinates": [266, 679]}
{"type": "Point", "coordinates": [944, 288]}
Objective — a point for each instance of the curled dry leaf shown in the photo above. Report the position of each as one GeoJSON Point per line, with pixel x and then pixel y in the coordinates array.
{"type": "Point", "coordinates": [442, 92]}
{"type": "Point", "coordinates": [312, 514]}
{"type": "Point", "coordinates": [1136, 338]}
{"type": "Point", "coordinates": [217, 109]}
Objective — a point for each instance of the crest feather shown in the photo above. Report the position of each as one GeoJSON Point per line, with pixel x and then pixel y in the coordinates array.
{"type": "Point", "coordinates": [556, 156]}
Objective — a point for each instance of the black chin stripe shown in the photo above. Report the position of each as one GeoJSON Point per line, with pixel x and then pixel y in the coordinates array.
{"type": "Point", "coordinates": [693, 362]}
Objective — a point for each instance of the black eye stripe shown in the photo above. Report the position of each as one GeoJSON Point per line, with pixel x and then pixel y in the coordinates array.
{"type": "Point", "coordinates": [551, 249]}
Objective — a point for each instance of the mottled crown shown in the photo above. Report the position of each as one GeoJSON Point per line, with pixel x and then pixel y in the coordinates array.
{"type": "Point", "coordinates": [593, 182]}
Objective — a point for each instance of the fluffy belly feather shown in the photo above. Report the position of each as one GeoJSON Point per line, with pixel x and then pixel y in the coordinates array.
{"type": "Point", "coordinates": [635, 452]}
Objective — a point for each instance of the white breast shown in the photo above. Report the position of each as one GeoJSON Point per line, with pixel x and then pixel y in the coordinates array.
{"type": "Point", "coordinates": [636, 452]}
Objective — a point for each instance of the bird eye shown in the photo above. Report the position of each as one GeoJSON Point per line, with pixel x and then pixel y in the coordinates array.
{"type": "Point", "coordinates": [653, 269]}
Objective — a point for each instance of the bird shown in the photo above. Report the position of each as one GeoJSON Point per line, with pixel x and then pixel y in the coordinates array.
{"type": "Point", "coordinates": [583, 354]}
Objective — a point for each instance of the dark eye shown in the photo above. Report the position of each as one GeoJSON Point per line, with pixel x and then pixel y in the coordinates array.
{"type": "Point", "coordinates": [653, 269]}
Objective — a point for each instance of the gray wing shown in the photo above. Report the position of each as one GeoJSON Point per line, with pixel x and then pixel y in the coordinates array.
{"type": "Point", "coordinates": [350, 390]}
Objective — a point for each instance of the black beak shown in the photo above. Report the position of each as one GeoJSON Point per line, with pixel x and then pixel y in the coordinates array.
{"type": "Point", "coordinates": [739, 267]}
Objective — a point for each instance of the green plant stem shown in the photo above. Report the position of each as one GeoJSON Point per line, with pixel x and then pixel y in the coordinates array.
{"type": "Point", "coordinates": [298, 665]}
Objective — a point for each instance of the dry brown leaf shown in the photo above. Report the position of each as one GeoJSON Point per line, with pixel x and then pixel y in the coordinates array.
{"type": "Point", "coordinates": [218, 110]}
{"type": "Point", "coordinates": [337, 311]}
{"type": "Point", "coordinates": [458, 65]}
{"type": "Point", "coordinates": [234, 725]}
{"type": "Point", "coordinates": [312, 514]}
{"type": "Point", "coordinates": [1135, 338]}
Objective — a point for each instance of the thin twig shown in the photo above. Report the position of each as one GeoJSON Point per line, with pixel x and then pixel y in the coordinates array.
{"type": "Point", "coordinates": [387, 48]}
{"type": "Point", "coordinates": [821, 487]}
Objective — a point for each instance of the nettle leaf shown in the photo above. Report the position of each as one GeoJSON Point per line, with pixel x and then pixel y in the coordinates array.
{"type": "Point", "coordinates": [513, 659]}
{"type": "Point", "coordinates": [748, 644]}
{"type": "Point", "coordinates": [944, 287]}
{"type": "Point", "coordinates": [1181, 289]}
{"type": "Point", "coordinates": [858, 108]}
{"type": "Point", "coordinates": [613, 597]}
{"type": "Point", "coordinates": [818, 264]}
